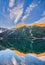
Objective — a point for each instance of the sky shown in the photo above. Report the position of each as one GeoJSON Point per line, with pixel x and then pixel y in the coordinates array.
{"type": "Point", "coordinates": [14, 12]}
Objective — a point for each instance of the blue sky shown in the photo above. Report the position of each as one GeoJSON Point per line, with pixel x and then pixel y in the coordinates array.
{"type": "Point", "coordinates": [14, 12]}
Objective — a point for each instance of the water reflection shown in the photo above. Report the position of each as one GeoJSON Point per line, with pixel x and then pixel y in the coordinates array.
{"type": "Point", "coordinates": [10, 58]}
{"type": "Point", "coordinates": [25, 45]}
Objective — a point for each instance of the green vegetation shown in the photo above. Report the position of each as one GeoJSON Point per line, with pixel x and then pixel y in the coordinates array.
{"type": "Point", "coordinates": [25, 39]}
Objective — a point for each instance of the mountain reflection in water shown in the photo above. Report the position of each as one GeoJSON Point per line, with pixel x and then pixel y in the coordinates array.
{"type": "Point", "coordinates": [24, 45]}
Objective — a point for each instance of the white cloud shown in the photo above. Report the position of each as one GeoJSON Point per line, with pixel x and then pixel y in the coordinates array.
{"type": "Point", "coordinates": [11, 3]}
{"type": "Point", "coordinates": [28, 10]}
{"type": "Point", "coordinates": [42, 20]}
{"type": "Point", "coordinates": [16, 12]}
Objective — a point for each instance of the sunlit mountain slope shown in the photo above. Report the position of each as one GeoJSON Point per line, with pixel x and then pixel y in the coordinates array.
{"type": "Point", "coordinates": [34, 24]}
{"type": "Point", "coordinates": [41, 25]}
{"type": "Point", "coordinates": [20, 25]}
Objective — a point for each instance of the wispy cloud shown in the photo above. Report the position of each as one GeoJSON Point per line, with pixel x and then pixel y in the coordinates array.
{"type": "Point", "coordinates": [11, 3]}
{"type": "Point", "coordinates": [28, 10]}
{"type": "Point", "coordinates": [14, 61]}
{"type": "Point", "coordinates": [16, 12]}
{"type": "Point", "coordinates": [42, 20]}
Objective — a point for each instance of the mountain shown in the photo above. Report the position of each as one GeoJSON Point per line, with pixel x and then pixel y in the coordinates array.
{"type": "Point", "coordinates": [27, 39]}
{"type": "Point", "coordinates": [37, 24]}
{"type": "Point", "coordinates": [10, 58]}
{"type": "Point", "coordinates": [20, 25]}
{"type": "Point", "coordinates": [2, 29]}
{"type": "Point", "coordinates": [33, 24]}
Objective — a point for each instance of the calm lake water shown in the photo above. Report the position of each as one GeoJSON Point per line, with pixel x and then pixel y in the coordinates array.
{"type": "Point", "coordinates": [24, 45]}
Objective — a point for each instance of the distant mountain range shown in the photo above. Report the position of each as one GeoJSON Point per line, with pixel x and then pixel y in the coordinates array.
{"type": "Point", "coordinates": [34, 24]}
{"type": "Point", "coordinates": [2, 29]}
{"type": "Point", "coordinates": [24, 38]}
